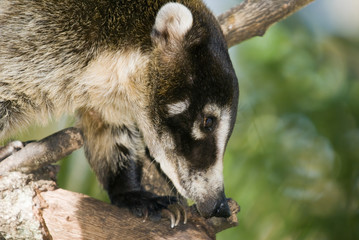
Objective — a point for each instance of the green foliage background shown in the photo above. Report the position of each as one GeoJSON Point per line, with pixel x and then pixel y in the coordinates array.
{"type": "Point", "coordinates": [292, 163]}
{"type": "Point", "coordinates": [293, 160]}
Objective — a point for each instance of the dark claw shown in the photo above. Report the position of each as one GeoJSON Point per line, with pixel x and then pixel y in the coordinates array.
{"type": "Point", "coordinates": [178, 217]}
{"type": "Point", "coordinates": [146, 215]}
{"type": "Point", "coordinates": [178, 210]}
{"type": "Point", "coordinates": [170, 216]}
{"type": "Point", "coordinates": [184, 211]}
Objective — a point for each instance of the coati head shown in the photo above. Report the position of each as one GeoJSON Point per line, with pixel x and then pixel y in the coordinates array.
{"type": "Point", "coordinates": [193, 103]}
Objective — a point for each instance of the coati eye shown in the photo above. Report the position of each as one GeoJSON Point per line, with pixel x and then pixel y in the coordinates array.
{"type": "Point", "coordinates": [208, 123]}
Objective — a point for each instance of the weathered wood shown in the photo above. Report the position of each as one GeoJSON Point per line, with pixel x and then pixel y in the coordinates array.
{"type": "Point", "coordinates": [44, 152]}
{"type": "Point", "coordinates": [19, 210]}
{"type": "Point", "coordinates": [33, 208]}
{"type": "Point", "coordinates": [70, 215]}
{"type": "Point", "coordinates": [253, 17]}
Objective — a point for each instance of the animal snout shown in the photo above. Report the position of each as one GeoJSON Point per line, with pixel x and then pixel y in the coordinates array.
{"type": "Point", "coordinates": [214, 207]}
{"type": "Point", "coordinates": [222, 209]}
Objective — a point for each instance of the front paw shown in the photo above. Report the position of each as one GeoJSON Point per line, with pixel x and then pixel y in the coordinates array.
{"type": "Point", "coordinates": [148, 205]}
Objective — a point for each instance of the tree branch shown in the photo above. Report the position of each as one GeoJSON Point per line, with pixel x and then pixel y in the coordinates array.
{"type": "Point", "coordinates": [33, 208]}
{"type": "Point", "coordinates": [253, 17]}
{"type": "Point", "coordinates": [44, 152]}
{"type": "Point", "coordinates": [76, 216]}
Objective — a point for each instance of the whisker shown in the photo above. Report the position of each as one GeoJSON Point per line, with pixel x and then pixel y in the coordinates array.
{"type": "Point", "coordinates": [152, 161]}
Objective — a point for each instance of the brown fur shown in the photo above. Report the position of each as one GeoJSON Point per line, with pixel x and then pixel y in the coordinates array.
{"type": "Point", "coordinates": [117, 65]}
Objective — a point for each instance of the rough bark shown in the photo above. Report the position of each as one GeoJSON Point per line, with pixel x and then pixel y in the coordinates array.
{"type": "Point", "coordinates": [44, 152]}
{"type": "Point", "coordinates": [33, 208]}
{"type": "Point", "coordinates": [253, 17]}
{"type": "Point", "coordinates": [92, 219]}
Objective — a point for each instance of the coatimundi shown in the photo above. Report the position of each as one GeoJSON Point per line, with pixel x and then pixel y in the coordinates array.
{"type": "Point", "coordinates": [142, 76]}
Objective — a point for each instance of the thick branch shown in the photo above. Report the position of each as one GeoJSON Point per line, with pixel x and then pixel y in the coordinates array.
{"type": "Point", "coordinates": [44, 152]}
{"type": "Point", "coordinates": [70, 215]}
{"type": "Point", "coordinates": [32, 208]}
{"type": "Point", "coordinates": [253, 17]}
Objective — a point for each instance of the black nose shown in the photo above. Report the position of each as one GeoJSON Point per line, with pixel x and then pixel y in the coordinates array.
{"type": "Point", "coordinates": [222, 209]}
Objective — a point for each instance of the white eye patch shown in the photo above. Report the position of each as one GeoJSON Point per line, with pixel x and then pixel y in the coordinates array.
{"type": "Point", "coordinates": [223, 118]}
{"type": "Point", "coordinates": [197, 132]}
{"type": "Point", "coordinates": [177, 108]}
{"type": "Point", "coordinates": [212, 109]}
{"type": "Point", "coordinates": [222, 132]}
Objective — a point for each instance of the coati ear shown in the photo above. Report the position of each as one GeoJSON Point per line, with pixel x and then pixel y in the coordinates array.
{"type": "Point", "coordinates": [173, 21]}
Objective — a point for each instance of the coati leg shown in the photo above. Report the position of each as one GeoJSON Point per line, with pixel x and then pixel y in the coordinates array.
{"type": "Point", "coordinates": [125, 190]}
{"type": "Point", "coordinates": [115, 154]}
